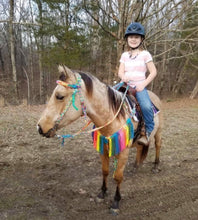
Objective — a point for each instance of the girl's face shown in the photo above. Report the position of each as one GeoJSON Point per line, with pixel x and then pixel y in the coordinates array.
{"type": "Point", "coordinates": [134, 40]}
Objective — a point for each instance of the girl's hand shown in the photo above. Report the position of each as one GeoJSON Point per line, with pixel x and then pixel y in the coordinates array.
{"type": "Point", "coordinates": [140, 87]}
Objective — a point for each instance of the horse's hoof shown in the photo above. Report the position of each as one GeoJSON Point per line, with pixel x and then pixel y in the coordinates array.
{"type": "Point", "coordinates": [114, 212]}
{"type": "Point", "coordinates": [155, 170]}
{"type": "Point", "coordinates": [114, 208]}
{"type": "Point", "coordinates": [134, 170]}
{"type": "Point", "coordinates": [99, 200]}
{"type": "Point", "coordinates": [100, 197]}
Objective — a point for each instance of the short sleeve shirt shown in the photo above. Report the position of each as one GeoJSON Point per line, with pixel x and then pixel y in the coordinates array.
{"type": "Point", "coordinates": [135, 67]}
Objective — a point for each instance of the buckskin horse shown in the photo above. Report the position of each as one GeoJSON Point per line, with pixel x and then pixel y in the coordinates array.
{"type": "Point", "coordinates": [80, 93]}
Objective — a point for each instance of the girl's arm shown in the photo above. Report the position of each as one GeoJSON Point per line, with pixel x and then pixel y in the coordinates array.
{"type": "Point", "coordinates": [152, 74]}
{"type": "Point", "coordinates": [121, 73]}
{"type": "Point", "coordinates": [121, 70]}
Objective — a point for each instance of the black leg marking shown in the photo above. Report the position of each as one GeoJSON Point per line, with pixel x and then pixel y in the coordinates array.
{"type": "Point", "coordinates": [115, 205]}
{"type": "Point", "coordinates": [100, 197]}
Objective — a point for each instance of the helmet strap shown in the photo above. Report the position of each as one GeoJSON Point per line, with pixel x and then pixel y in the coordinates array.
{"type": "Point", "coordinates": [134, 48]}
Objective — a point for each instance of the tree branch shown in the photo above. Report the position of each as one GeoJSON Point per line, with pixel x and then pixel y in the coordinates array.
{"type": "Point", "coordinates": [21, 23]}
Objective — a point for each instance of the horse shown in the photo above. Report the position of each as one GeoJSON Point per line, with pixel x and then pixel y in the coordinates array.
{"type": "Point", "coordinates": [79, 93]}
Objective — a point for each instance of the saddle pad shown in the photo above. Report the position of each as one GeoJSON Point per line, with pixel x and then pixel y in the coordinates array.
{"type": "Point", "coordinates": [136, 111]}
{"type": "Point", "coordinates": [155, 109]}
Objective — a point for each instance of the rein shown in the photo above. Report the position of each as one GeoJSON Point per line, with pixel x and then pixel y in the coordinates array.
{"type": "Point", "coordinates": [77, 89]}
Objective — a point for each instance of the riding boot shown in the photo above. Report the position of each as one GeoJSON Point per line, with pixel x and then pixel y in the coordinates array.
{"type": "Point", "coordinates": [144, 139]}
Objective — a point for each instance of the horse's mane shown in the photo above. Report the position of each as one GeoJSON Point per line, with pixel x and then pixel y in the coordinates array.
{"type": "Point", "coordinates": [88, 82]}
{"type": "Point", "coordinates": [115, 100]}
{"type": "Point", "coordinates": [114, 97]}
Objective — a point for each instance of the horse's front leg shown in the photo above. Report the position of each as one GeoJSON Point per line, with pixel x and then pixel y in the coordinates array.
{"type": "Point", "coordinates": [118, 177]}
{"type": "Point", "coordinates": [105, 173]}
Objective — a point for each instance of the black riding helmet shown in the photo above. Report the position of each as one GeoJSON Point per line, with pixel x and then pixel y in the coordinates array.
{"type": "Point", "coordinates": [135, 28]}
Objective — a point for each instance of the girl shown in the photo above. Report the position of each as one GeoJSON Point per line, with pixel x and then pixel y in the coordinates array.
{"type": "Point", "coordinates": [132, 70]}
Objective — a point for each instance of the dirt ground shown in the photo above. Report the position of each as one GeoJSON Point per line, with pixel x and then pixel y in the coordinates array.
{"type": "Point", "coordinates": [40, 179]}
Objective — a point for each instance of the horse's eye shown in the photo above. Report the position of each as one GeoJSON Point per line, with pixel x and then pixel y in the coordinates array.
{"type": "Point", "coordinates": [59, 97]}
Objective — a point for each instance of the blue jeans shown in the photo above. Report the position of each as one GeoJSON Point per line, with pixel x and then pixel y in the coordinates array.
{"type": "Point", "coordinates": [147, 110]}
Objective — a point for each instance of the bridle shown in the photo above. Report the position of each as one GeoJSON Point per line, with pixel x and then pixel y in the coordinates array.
{"type": "Point", "coordinates": [76, 89]}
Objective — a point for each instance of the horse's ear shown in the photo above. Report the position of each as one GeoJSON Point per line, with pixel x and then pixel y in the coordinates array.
{"type": "Point", "coordinates": [63, 77]}
{"type": "Point", "coordinates": [65, 72]}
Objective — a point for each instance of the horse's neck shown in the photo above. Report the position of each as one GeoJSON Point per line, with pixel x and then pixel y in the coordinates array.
{"type": "Point", "coordinates": [99, 110]}
{"type": "Point", "coordinates": [97, 105]}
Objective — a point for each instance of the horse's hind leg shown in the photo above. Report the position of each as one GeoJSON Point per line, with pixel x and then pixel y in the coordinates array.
{"type": "Point", "coordinates": [118, 177]}
{"type": "Point", "coordinates": [141, 154]}
{"type": "Point", "coordinates": [158, 140]}
{"type": "Point", "coordinates": [105, 172]}
{"type": "Point", "coordinates": [138, 157]}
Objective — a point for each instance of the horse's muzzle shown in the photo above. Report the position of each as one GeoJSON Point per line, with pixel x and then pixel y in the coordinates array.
{"type": "Point", "coordinates": [48, 134]}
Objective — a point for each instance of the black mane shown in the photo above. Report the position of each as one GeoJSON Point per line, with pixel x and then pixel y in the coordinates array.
{"type": "Point", "coordinates": [113, 97]}
{"type": "Point", "coordinates": [88, 82]}
{"type": "Point", "coordinates": [115, 101]}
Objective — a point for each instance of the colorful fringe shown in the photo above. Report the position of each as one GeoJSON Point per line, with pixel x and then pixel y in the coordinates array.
{"type": "Point", "coordinates": [117, 142]}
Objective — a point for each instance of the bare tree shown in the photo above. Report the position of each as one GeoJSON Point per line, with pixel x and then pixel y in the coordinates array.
{"type": "Point", "coordinates": [40, 44]}
{"type": "Point", "coordinates": [195, 91]}
{"type": "Point", "coordinates": [102, 25]}
{"type": "Point", "coordinates": [12, 49]}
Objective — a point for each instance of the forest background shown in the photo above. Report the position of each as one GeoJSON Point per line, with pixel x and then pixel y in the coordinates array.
{"type": "Point", "coordinates": [86, 35]}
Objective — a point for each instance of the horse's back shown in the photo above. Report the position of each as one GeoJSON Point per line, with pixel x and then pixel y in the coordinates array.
{"type": "Point", "coordinates": [159, 118]}
{"type": "Point", "coordinates": [155, 100]}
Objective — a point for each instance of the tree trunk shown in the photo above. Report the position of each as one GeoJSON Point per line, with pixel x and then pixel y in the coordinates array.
{"type": "Point", "coordinates": [28, 85]}
{"type": "Point", "coordinates": [95, 41]}
{"type": "Point", "coordinates": [31, 70]}
{"type": "Point", "coordinates": [42, 92]}
{"type": "Point", "coordinates": [2, 64]}
{"type": "Point", "coordinates": [195, 91]}
{"type": "Point", "coordinates": [12, 49]}
{"type": "Point", "coordinates": [40, 48]}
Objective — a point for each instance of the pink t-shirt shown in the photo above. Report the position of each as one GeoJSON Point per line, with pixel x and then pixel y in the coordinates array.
{"type": "Point", "coordinates": [135, 67]}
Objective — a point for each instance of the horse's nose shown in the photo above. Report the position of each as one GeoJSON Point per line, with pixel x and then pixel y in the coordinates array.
{"type": "Point", "coordinates": [39, 129]}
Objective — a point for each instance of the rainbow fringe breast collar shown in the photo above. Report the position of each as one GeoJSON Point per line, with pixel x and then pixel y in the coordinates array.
{"type": "Point", "coordinates": [117, 142]}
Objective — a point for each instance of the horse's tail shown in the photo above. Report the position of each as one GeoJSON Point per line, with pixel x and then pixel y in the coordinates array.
{"type": "Point", "coordinates": [144, 153]}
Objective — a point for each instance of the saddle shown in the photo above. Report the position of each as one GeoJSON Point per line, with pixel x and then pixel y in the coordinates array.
{"type": "Point", "coordinates": [135, 110]}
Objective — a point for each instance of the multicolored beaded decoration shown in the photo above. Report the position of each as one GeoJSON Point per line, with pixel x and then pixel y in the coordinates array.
{"type": "Point", "coordinates": [72, 100]}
